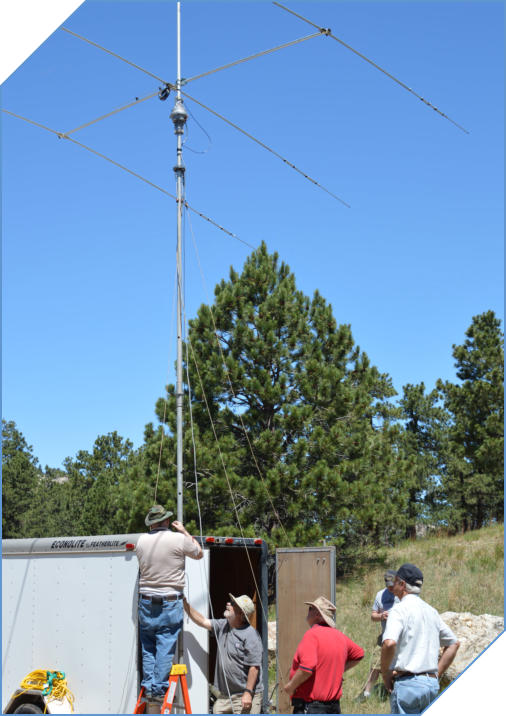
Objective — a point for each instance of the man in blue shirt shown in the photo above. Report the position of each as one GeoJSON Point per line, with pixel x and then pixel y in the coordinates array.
{"type": "Point", "coordinates": [383, 602]}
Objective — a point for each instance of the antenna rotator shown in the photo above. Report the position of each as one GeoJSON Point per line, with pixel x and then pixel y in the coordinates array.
{"type": "Point", "coordinates": [179, 115]}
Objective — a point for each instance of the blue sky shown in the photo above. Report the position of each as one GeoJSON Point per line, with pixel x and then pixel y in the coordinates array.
{"type": "Point", "coordinates": [89, 251]}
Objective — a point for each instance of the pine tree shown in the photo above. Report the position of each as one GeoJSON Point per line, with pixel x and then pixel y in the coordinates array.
{"type": "Point", "coordinates": [474, 482]}
{"type": "Point", "coordinates": [91, 493]}
{"type": "Point", "coordinates": [424, 441]}
{"type": "Point", "coordinates": [303, 436]}
{"type": "Point", "coordinates": [20, 475]}
{"type": "Point", "coordinates": [51, 498]}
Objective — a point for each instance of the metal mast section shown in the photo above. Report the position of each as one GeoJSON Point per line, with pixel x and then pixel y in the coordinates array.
{"type": "Point", "coordinates": [179, 117]}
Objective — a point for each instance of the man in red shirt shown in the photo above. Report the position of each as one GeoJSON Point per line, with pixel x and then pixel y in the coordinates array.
{"type": "Point", "coordinates": [323, 655]}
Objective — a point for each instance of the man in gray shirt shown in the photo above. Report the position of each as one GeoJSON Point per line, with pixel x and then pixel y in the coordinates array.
{"type": "Point", "coordinates": [238, 672]}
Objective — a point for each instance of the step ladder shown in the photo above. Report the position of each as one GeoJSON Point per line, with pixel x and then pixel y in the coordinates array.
{"type": "Point", "coordinates": [177, 674]}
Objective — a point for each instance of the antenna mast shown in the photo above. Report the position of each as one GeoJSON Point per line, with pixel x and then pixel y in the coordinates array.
{"type": "Point", "coordinates": [179, 117]}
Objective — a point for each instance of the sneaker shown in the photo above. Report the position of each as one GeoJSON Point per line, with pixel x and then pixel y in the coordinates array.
{"type": "Point", "coordinates": [153, 707]}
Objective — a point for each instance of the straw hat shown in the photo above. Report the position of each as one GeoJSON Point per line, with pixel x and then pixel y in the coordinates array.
{"type": "Point", "coordinates": [244, 603]}
{"type": "Point", "coordinates": [326, 609]}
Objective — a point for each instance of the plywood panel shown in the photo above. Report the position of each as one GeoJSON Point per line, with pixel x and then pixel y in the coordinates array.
{"type": "Point", "coordinates": [301, 575]}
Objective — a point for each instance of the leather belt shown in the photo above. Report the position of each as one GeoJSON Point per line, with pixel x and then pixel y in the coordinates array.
{"type": "Point", "coordinates": [169, 598]}
{"type": "Point", "coordinates": [401, 674]}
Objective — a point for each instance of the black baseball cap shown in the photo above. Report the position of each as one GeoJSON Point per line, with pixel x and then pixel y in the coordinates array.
{"type": "Point", "coordinates": [410, 574]}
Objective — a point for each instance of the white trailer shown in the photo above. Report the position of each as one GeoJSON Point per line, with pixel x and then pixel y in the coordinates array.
{"type": "Point", "coordinates": [70, 604]}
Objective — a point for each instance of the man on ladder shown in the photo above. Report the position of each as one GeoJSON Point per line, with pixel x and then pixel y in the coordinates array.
{"type": "Point", "coordinates": [161, 556]}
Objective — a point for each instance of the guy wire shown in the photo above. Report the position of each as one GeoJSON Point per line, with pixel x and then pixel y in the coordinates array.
{"type": "Point", "coordinates": [233, 393]}
{"type": "Point", "coordinates": [264, 612]}
{"type": "Point", "coordinates": [188, 343]}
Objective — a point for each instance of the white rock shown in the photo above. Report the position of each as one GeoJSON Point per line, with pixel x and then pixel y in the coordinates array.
{"type": "Point", "coordinates": [271, 636]}
{"type": "Point", "coordinates": [475, 633]}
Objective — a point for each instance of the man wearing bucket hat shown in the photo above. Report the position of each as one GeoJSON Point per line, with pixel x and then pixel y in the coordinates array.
{"type": "Point", "coordinates": [409, 656]}
{"type": "Point", "coordinates": [161, 554]}
{"type": "Point", "coordinates": [383, 602]}
{"type": "Point", "coordinates": [238, 682]}
{"type": "Point", "coordinates": [323, 655]}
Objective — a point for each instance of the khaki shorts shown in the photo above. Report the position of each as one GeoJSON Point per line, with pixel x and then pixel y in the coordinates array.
{"type": "Point", "coordinates": [233, 705]}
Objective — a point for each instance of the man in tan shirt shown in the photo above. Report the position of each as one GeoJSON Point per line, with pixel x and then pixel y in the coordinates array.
{"type": "Point", "coordinates": [161, 554]}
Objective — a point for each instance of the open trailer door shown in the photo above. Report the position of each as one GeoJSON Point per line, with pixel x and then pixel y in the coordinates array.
{"type": "Point", "coordinates": [301, 576]}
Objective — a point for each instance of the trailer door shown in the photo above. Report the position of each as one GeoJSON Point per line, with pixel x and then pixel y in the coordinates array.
{"type": "Point", "coordinates": [301, 576]}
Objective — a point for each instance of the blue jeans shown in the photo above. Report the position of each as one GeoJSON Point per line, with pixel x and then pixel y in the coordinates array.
{"type": "Point", "coordinates": [159, 627]}
{"type": "Point", "coordinates": [412, 694]}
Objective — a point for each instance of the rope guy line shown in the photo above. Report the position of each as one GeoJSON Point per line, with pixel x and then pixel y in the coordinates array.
{"type": "Point", "coordinates": [327, 31]}
{"type": "Point", "coordinates": [229, 379]}
{"type": "Point", "coordinates": [213, 427]}
{"type": "Point", "coordinates": [61, 135]}
{"type": "Point", "coordinates": [265, 146]}
{"type": "Point", "coordinates": [223, 465]}
{"type": "Point", "coordinates": [110, 114]}
{"type": "Point", "coordinates": [114, 54]}
{"type": "Point", "coordinates": [195, 472]}
{"type": "Point", "coordinates": [250, 57]}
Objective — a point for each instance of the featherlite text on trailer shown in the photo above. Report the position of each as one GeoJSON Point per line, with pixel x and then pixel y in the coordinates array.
{"type": "Point", "coordinates": [70, 604]}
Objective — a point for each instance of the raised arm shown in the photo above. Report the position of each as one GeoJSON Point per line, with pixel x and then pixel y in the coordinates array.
{"type": "Point", "coordinates": [179, 527]}
{"type": "Point", "coordinates": [196, 616]}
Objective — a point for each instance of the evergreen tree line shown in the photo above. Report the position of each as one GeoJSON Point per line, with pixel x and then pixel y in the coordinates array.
{"type": "Point", "coordinates": [293, 436]}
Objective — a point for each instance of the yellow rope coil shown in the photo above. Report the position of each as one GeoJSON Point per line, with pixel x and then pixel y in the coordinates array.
{"type": "Point", "coordinates": [38, 679]}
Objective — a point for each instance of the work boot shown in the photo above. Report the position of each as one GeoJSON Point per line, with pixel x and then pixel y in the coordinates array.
{"type": "Point", "coordinates": [153, 707]}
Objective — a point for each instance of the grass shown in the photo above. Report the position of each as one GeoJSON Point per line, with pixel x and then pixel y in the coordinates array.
{"type": "Point", "coordinates": [464, 573]}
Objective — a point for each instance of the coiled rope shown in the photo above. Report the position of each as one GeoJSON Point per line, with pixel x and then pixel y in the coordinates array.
{"type": "Point", "coordinates": [52, 684]}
